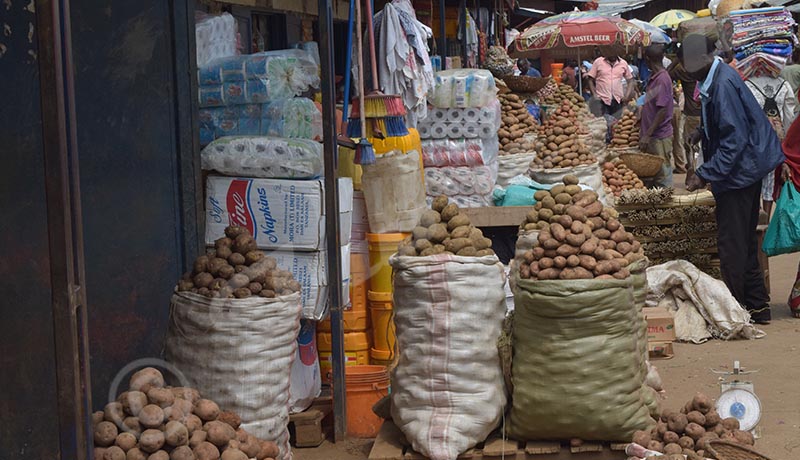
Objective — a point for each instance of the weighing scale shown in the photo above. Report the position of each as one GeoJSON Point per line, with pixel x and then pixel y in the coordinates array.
{"type": "Point", "coordinates": [738, 399]}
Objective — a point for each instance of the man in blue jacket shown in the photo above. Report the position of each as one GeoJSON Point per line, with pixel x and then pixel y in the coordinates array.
{"type": "Point", "coordinates": [740, 147]}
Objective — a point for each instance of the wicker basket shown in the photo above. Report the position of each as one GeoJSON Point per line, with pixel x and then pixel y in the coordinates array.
{"type": "Point", "coordinates": [727, 450]}
{"type": "Point", "coordinates": [525, 84]}
{"type": "Point", "coordinates": [644, 165]}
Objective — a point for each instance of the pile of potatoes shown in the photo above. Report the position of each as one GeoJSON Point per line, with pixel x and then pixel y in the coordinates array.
{"type": "Point", "coordinates": [548, 92]}
{"type": "Point", "coordinates": [578, 238]}
{"type": "Point", "coordinates": [516, 123]}
{"type": "Point", "coordinates": [688, 431]}
{"type": "Point", "coordinates": [617, 177]}
{"type": "Point", "coordinates": [443, 229]}
{"type": "Point", "coordinates": [236, 268]}
{"type": "Point", "coordinates": [559, 144]}
{"type": "Point", "coordinates": [625, 132]}
{"type": "Point", "coordinates": [152, 421]}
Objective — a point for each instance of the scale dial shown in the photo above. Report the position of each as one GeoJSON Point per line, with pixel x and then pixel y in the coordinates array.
{"type": "Point", "coordinates": [742, 405]}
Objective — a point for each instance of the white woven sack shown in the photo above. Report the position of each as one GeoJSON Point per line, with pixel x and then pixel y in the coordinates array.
{"type": "Point", "coordinates": [589, 175]}
{"type": "Point", "coordinates": [394, 192]}
{"type": "Point", "coordinates": [239, 353]}
{"type": "Point", "coordinates": [448, 392]}
{"type": "Point", "coordinates": [511, 166]}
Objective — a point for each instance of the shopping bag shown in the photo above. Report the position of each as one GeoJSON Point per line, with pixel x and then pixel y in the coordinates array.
{"type": "Point", "coordinates": [783, 233]}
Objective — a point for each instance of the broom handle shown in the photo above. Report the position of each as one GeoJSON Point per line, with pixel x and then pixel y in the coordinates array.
{"type": "Point", "coordinates": [360, 40]}
{"type": "Point", "coordinates": [348, 65]}
{"type": "Point", "coordinates": [371, 31]}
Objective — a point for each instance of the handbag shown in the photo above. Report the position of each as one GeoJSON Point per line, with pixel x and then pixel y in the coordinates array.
{"type": "Point", "coordinates": [783, 232]}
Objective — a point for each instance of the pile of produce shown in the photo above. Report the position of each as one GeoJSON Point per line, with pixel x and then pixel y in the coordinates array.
{"type": "Point", "coordinates": [152, 421]}
{"type": "Point", "coordinates": [516, 123]}
{"type": "Point", "coordinates": [445, 230]}
{"type": "Point", "coordinates": [548, 92]}
{"type": "Point", "coordinates": [236, 268]}
{"type": "Point", "coordinates": [498, 62]}
{"type": "Point", "coordinates": [625, 133]}
{"type": "Point", "coordinates": [559, 144]}
{"type": "Point", "coordinates": [618, 178]}
{"type": "Point", "coordinates": [578, 238]}
{"type": "Point", "coordinates": [688, 431]}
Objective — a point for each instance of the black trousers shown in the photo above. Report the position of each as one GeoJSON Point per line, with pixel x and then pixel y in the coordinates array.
{"type": "Point", "coordinates": [737, 242]}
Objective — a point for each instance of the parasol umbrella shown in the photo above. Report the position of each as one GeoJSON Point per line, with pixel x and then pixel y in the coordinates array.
{"type": "Point", "coordinates": [671, 18]}
{"type": "Point", "coordinates": [657, 35]}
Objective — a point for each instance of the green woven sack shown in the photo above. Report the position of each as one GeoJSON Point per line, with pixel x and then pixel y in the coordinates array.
{"type": "Point", "coordinates": [577, 369]}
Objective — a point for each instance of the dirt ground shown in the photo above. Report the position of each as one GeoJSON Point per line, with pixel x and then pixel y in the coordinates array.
{"type": "Point", "coordinates": [775, 356]}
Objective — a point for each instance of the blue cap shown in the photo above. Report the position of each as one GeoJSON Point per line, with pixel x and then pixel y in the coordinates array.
{"type": "Point", "coordinates": [587, 64]}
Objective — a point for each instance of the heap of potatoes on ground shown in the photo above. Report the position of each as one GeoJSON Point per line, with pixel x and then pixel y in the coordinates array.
{"type": "Point", "coordinates": [559, 144]}
{"type": "Point", "coordinates": [617, 177]}
{"type": "Point", "coordinates": [152, 421]}
{"type": "Point", "coordinates": [516, 125]}
{"type": "Point", "coordinates": [579, 238]}
{"type": "Point", "coordinates": [625, 132]}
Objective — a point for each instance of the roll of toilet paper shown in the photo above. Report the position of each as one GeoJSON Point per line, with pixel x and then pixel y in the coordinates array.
{"type": "Point", "coordinates": [455, 115]}
{"type": "Point", "coordinates": [438, 130]}
{"type": "Point", "coordinates": [424, 131]}
{"type": "Point", "coordinates": [454, 131]}
{"type": "Point", "coordinates": [471, 114]}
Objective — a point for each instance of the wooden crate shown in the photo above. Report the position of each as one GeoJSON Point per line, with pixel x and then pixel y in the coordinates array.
{"type": "Point", "coordinates": [309, 428]}
{"type": "Point", "coordinates": [391, 444]}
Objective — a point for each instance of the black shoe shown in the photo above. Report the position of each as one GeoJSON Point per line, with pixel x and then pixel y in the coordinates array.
{"type": "Point", "coordinates": [761, 315]}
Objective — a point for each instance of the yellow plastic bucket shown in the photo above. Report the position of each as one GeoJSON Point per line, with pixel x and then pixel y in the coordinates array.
{"type": "Point", "coordinates": [356, 318]}
{"type": "Point", "coordinates": [356, 351]}
{"type": "Point", "coordinates": [381, 247]}
{"type": "Point", "coordinates": [384, 337]}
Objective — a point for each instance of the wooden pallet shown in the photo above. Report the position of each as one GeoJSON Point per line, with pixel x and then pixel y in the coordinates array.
{"type": "Point", "coordinates": [391, 444]}
{"type": "Point", "coordinates": [309, 428]}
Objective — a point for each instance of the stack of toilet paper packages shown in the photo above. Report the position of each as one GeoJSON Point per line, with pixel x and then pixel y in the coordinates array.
{"type": "Point", "coordinates": [296, 118]}
{"type": "Point", "coordinates": [214, 36]}
{"type": "Point", "coordinates": [264, 157]}
{"type": "Point", "coordinates": [453, 123]}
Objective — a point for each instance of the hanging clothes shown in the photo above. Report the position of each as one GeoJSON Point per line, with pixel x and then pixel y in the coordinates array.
{"type": "Point", "coordinates": [471, 39]}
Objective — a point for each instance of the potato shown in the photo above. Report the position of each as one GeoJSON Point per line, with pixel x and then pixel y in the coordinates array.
{"type": "Point", "coordinates": [545, 214]}
{"type": "Point", "coordinates": [125, 441]}
{"type": "Point", "coordinates": [182, 453]}
{"type": "Point", "coordinates": [730, 423]}
{"type": "Point", "coordinates": [540, 195]}
{"type": "Point", "coordinates": [642, 438]}
{"type": "Point", "coordinates": [419, 232]}
{"type": "Point", "coordinates": [563, 198]}
{"type": "Point", "coordinates": [662, 428]}
{"type": "Point", "coordinates": [702, 403]}
{"type": "Point", "coordinates": [548, 203]}
{"type": "Point", "coordinates": [429, 218]}
{"type": "Point", "coordinates": [113, 453]}
{"type": "Point", "coordinates": [162, 397]}
{"type": "Point", "coordinates": [250, 446]}
{"type": "Point", "coordinates": [572, 189]}
{"type": "Point", "coordinates": [593, 209]}
{"type": "Point", "coordinates": [132, 402]}
{"type": "Point", "coordinates": [233, 454]}
{"type": "Point", "coordinates": [712, 417]}
{"type": "Point", "coordinates": [573, 261]}
{"type": "Point", "coordinates": [455, 245]}
{"type": "Point", "coordinates": [151, 440]}
{"type": "Point", "coordinates": [233, 231]}
{"type": "Point", "coordinates": [151, 416]}
{"type": "Point", "coordinates": [449, 211]}
{"type": "Point", "coordinates": [159, 455]}
{"type": "Point", "coordinates": [231, 418]}
{"type": "Point", "coordinates": [244, 243]}
{"type": "Point", "coordinates": [560, 262]}
{"type": "Point", "coordinates": [744, 437]}
{"type": "Point", "coordinates": [657, 446]}
{"type": "Point", "coordinates": [468, 251]}
{"type": "Point", "coordinates": [439, 203]}
{"type": "Point", "coordinates": [670, 437]}
{"type": "Point", "coordinates": [437, 233]}
{"type": "Point", "coordinates": [132, 425]}
{"type": "Point", "coordinates": [135, 454]}
{"type": "Point", "coordinates": [268, 450]}
{"type": "Point", "coordinates": [589, 246]}
{"type": "Point", "coordinates": [145, 379]}
{"type": "Point", "coordinates": [457, 221]}
{"type": "Point", "coordinates": [696, 417]}
{"type": "Point", "coordinates": [576, 241]}
{"type": "Point", "coordinates": [176, 434]}
{"type": "Point", "coordinates": [556, 190]}
{"type": "Point", "coordinates": [405, 250]}
{"type": "Point", "coordinates": [105, 433]}
{"type": "Point", "coordinates": [201, 264]}
{"type": "Point", "coordinates": [686, 442]}
{"type": "Point", "coordinates": [219, 433]}
{"type": "Point", "coordinates": [223, 253]}
{"type": "Point", "coordinates": [622, 274]}
{"type": "Point", "coordinates": [206, 451]}
{"type": "Point", "coordinates": [718, 429]}
{"type": "Point", "coordinates": [197, 438]}
{"type": "Point", "coordinates": [694, 431]}
{"type": "Point", "coordinates": [549, 274]}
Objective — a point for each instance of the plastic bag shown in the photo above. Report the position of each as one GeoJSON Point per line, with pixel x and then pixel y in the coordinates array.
{"type": "Point", "coordinates": [471, 122]}
{"type": "Point", "coordinates": [463, 88]}
{"type": "Point", "coordinates": [459, 152]}
{"type": "Point", "coordinates": [783, 233]}
{"type": "Point", "coordinates": [215, 37]}
{"type": "Point", "coordinates": [452, 181]}
{"type": "Point", "coordinates": [296, 118]}
{"type": "Point", "coordinates": [264, 157]}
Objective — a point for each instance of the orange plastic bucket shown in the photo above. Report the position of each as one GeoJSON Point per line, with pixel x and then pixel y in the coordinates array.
{"type": "Point", "coordinates": [381, 247]}
{"type": "Point", "coordinates": [555, 69]}
{"type": "Point", "coordinates": [383, 331]}
{"type": "Point", "coordinates": [366, 385]}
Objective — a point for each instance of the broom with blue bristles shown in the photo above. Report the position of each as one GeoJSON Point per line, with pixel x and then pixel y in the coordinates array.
{"type": "Point", "coordinates": [365, 154]}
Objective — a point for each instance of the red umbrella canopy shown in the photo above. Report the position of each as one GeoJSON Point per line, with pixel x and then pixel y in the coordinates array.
{"type": "Point", "coordinates": [580, 28]}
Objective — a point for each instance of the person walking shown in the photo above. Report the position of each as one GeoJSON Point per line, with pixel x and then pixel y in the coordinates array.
{"type": "Point", "coordinates": [690, 115]}
{"type": "Point", "coordinates": [678, 149]}
{"type": "Point", "coordinates": [656, 122]}
{"type": "Point", "coordinates": [774, 95]}
{"type": "Point", "coordinates": [606, 79]}
{"type": "Point", "coordinates": [791, 72]}
{"type": "Point", "coordinates": [790, 172]}
{"type": "Point", "coordinates": [740, 147]}
{"type": "Point", "coordinates": [526, 69]}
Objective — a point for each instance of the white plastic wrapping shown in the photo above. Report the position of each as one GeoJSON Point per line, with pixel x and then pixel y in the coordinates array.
{"type": "Point", "coordinates": [214, 36]}
{"type": "Point", "coordinates": [267, 157]}
{"type": "Point", "coordinates": [254, 78]}
{"type": "Point", "coordinates": [239, 353]}
{"type": "Point", "coordinates": [470, 122]}
{"type": "Point", "coordinates": [452, 181]}
{"type": "Point", "coordinates": [448, 391]}
{"type": "Point", "coordinates": [463, 88]}
{"type": "Point", "coordinates": [459, 152]}
{"type": "Point", "coordinates": [295, 118]}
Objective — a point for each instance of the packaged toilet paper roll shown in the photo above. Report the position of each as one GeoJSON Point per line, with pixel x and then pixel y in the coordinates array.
{"type": "Point", "coordinates": [438, 130]}
{"type": "Point", "coordinates": [455, 115]}
{"type": "Point", "coordinates": [471, 130]}
{"type": "Point", "coordinates": [424, 131]}
{"type": "Point", "coordinates": [487, 131]}
{"type": "Point", "coordinates": [455, 131]}
{"type": "Point", "coordinates": [471, 114]}
{"type": "Point", "coordinates": [437, 115]}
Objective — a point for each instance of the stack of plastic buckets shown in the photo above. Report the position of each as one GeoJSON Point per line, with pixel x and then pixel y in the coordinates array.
{"type": "Point", "coordinates": [356, 318]}
{"type": "Point", "coordinates": [381, 247]}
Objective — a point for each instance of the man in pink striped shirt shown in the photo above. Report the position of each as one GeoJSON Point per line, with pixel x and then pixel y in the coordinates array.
{"type": "Point", "coordinates": [606, 81]}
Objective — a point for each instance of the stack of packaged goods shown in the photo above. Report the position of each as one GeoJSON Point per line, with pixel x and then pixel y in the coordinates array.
{"type": "Point", "coordinates": [255, 95]}
{"type": "Point", "coordinates": [762, 39]}
{"type": "Point", "coordinates": [460, 143]}
{"type": "Point", "coordinates": [672, 227]}
{"type": "Point", "coordinates": [214, 37]}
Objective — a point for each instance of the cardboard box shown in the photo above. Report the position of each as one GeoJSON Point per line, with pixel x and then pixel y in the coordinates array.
{"type": "Point", "coordinates": [660, 324]}
{"type": "Point", "coordinates": [310, 269]}
{"type": "Point", "coordinates": [660, 350]}
{"type": "Point", "coordinates": [285, 215]}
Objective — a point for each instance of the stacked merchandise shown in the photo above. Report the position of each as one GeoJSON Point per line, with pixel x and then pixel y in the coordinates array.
{"type": "Point", "coordinates": [617, 177]}
{"type": "Point", "coordinates": [762, 39]}
{"type": "Point", "coordinates": [625, 132]}
{"type": "Point", "coordinates": [215, 36]}
{"type": "Point", "coordinates": [461, 144]}
{"type": "Point", "coordinates": [255, 95]}
{"type": "Point", "coordinates": [673, 227]}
